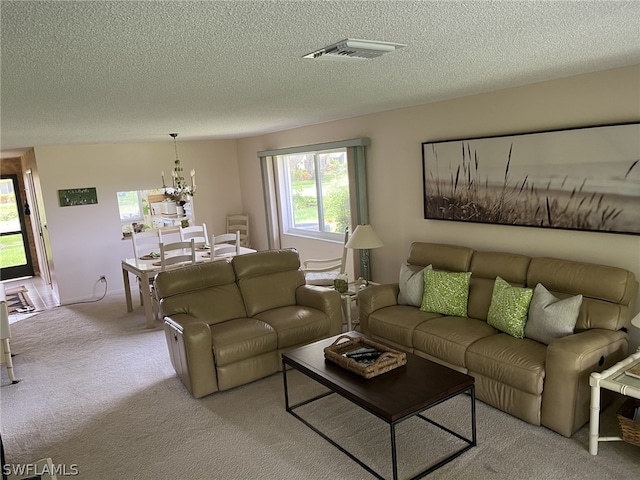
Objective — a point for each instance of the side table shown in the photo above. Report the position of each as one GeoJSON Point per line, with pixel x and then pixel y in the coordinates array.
{"type": "Point", "coordinates": [347, 297]}
{"type": "Point", "coordinates": [616, 380]}
{"type": "Point", "coordinates": [5, 335]}
{"type": "Point", "coordinates": [352, 294]}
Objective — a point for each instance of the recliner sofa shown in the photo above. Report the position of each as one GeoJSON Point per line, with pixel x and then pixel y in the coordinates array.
{"type": "Point", "coordinates": [227, 322]}
{"type": "Point", "coordinates": [538, 383]}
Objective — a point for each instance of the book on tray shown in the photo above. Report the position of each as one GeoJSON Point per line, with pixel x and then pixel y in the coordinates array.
{"type": "Point", "coordinates": [633, 372]}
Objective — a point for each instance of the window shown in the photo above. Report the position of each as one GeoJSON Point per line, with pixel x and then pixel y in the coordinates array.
{"type": "Point", "coordinates": [135, 207]}
{"type": "Point", "coordinates": [130, 206]}
{"type": "Point", "coordinates": [284, 216]}
{"type": "Point", "coordinates": [315, 193]}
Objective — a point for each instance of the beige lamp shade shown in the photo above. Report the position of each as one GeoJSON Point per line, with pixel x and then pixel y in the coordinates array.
{"type": "Point", "coordinates": [635, 321]}
{"type": "Point", "coordinates": [364, 238]}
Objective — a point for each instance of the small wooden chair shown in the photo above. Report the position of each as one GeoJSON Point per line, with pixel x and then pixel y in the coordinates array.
{"type": "Point", "coordinates": [239, 222]}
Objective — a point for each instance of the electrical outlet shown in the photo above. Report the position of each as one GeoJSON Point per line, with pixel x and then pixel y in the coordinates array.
{"type": "Point", "coordinates": [102, 279]}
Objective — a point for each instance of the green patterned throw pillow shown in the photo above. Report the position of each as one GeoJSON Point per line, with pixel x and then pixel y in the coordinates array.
{"type": "Point", "coordinates": [509, 307]}
{"type": "Point", "coordinates": [446, 292]}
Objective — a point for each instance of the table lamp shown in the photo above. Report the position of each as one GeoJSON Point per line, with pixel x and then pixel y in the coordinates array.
{"type": "Point", "coordinates": [635, 321]}
{"type": "Point", "coordinates": [364, 238]}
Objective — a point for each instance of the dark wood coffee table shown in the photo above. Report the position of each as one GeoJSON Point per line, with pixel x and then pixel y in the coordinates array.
{"type": "Point", "coordinates": [394, 396]}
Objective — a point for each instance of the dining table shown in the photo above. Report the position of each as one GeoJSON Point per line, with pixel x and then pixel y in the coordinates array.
{"type": "Point", "coordinates": [147, 266]}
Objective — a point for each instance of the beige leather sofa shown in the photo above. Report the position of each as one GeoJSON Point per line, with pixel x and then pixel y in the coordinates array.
{"type": "Point", "coordinates": [226, 323]}
{"type": "Point", "coordinates": [540, 384]}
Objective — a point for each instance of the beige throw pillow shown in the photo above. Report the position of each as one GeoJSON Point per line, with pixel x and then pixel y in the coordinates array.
{"type": "Point", "coordinates": [411, 284]}
{"type": "Point", "coordinates": [550, 317]}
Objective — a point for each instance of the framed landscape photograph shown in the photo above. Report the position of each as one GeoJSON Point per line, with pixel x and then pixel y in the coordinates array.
{"type": "Point", "coordinates": [578, 179]}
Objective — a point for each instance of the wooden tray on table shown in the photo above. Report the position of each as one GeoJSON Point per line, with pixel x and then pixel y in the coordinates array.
{"type": "Point", "coordinates": [387, 358]}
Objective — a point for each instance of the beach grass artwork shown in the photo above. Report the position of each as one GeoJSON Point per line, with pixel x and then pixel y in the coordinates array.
{"type": "Point", "coordinates": [579, 179]}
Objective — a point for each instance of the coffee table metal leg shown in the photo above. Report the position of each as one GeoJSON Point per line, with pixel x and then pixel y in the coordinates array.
{"type": "Point", "coordinates": [473, 416]}
{"type": "Point", "coordinates": [286, 387]}
{"type": "Point", "coordinates": [394, 457]}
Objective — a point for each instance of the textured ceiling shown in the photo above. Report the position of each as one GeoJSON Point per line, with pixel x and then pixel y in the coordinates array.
{"type": "Point", "coordinates": [107, 71]}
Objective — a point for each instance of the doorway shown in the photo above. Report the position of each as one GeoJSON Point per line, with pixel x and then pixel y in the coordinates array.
{"type": "Point", "coordinates": [15, 256]}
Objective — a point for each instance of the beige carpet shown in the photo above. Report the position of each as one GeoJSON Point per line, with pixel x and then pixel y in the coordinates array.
{"type": "Point", "coordinates": [98, 391]}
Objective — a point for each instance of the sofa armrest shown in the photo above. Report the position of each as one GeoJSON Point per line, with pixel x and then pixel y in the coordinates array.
{"type": "Point", "coordinates": [569, 363]}
{"type": "Point", "coordinates": [191, 353]}
{"type": "Point", "coordinates": [373, 298]}
{"type": "Point", "coordinates": [325, 300]}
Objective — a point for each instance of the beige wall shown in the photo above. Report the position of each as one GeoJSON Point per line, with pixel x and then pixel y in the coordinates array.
{"type": "Point", "coordinates": [86, 240]}
{"type": "Point", "coordinates": [395, 168]}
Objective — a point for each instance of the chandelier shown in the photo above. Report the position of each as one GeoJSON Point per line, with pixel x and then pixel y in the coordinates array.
{"type": "Point", "coordinates": [180, 191]}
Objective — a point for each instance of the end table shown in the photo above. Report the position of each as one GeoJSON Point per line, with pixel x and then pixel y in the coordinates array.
{"type": "Point", "coordinates": [352, 294]}
{"type": "Point", "coordinates": [616, 380]}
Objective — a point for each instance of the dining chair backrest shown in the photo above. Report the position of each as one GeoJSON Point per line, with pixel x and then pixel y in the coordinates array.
{"type": "Point", "coordinates": [324, 271]}
{"type": "Point", "coordinates": [197, 232]}
{"type": "Point", "coordinates": [185, 252]}
{"type": "Point", "coordinates": [239, 222]}
{"type": "Point", "coordinates": [169, 234]}
{"type": "Point", "coordinates": [145, 242]}
{"type": "Point", "coordinates": [225, 244]}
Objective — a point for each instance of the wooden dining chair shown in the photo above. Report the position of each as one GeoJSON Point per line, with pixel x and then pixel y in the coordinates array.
{"type": "Point", "coordinates": [323, 272]}
{"type": "Point", "coordinates": [173, 254]}
{"type": "Point", "coordinates": [169, 234]}
{"type": "Point", "coordinates": [177, 252]}
{"type": "Point", "coordinates": [145, 243]}
{"type": "Point", "coordinates": [197, 232]}
{"type": "Point", "coordinates": [226, 244]}
{"type": "Point", "coordinates": [239, 222]}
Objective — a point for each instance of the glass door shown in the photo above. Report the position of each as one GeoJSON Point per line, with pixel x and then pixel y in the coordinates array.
{"type": "Point", "coordinates": [15, 258]}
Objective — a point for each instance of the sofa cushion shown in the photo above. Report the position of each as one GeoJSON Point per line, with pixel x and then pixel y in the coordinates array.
{"type": "Point", "coordinates": [511, 361]}
{"type": "Point", "coordinates": [411, 285]}
{"type": "Point", "coordinates": [240, 339]}
{"type": "Point", "coordinates": [452, 258]}
{"type": "Point", "coordinates": [485, 267]}
{"type": "Point", "coordinates": [550, 317]}
{"type": "Point", "coordinates": [397, 323]}
{"type": "Point", "coordinates": [608, 292]}
{"type": "Point", "coordinates": [446, 292]}
{"type": "Point", "coordinates": [268, 279]}
{"type": "Point", "coordinates": [197, 303]}
{"type": "Point", "coordinates": [448, 338]}
{"type": "Point", "coordinates": [509, 307]}
{"type": "Point", "coordinates": [296, 325]}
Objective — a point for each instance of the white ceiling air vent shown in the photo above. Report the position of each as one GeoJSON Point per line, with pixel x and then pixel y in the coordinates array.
{"type": "Point", "coordinates": [354, 49]}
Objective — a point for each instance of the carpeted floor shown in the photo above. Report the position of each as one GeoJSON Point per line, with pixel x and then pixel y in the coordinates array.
{"type": "Point", "coordinates": [98, 391]}
{"type": "Point", "coordinates": [18, 300]}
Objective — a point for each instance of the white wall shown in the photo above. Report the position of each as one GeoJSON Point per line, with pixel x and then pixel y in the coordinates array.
{"type": "Point", "coordinates": [394, 167]}
{"type": "Point", "coordinates": [86, 240]}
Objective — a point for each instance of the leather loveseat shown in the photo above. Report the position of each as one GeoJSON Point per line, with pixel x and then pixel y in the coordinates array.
{"type": "Point", "coordinates": [227, 322]}
{"type": "Point", "coordinates": [539, 383]}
